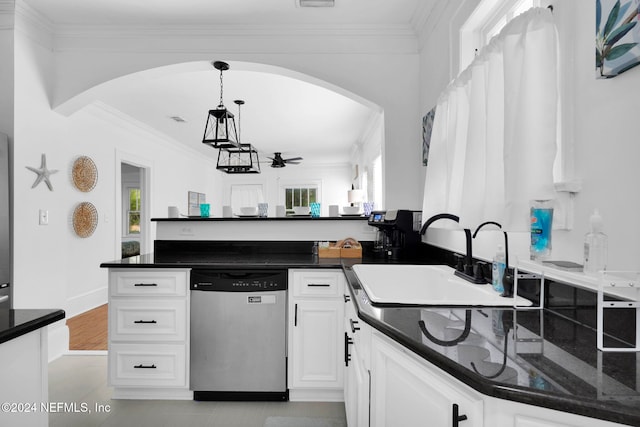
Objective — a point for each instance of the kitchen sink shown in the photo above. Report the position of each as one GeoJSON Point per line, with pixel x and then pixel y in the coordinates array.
{"type": "Point", "coordinates": [426, 285]}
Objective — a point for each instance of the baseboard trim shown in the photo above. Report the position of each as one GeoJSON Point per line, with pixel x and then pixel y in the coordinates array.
{"type": "Point", "coordinates": [87, 301]}
{"type": "Point", "coordinates": [87, 353]}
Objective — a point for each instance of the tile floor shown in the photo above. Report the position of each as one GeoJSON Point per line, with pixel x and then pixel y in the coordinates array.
{"type": "Point", "coordinates": [82, 379]}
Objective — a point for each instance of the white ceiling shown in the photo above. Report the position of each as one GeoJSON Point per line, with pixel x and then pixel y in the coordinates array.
{"type": "Point", "coordinates": [280, 113]}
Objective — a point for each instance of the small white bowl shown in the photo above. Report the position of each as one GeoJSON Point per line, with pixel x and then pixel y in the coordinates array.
{"type": "Point", "coordinates": [249, 210]}
{"type": "Point", "coordinates": [351, 210]}
{"type": "Point", "coordinates": [301, 210]}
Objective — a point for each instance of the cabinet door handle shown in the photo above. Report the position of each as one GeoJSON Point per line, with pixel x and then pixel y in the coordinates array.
{"type": "Point", "coordinates": [319, 285]}
{"type": "Point", "coordinates": [144, 321]}
{"type": "Point", "coordinates": [347, 355]}
{"type": "Point", "coordinates": [353, 323]}
{"type": "Point", "coordinates": [141, 366]}
{"type": "Point", "coordinates": [295, 316]}
{"type": "Point", "coordinates": [145, 284]}
{"type": "Point", "coordinates": [347, 298]}
{"type": "Point", "coordinates": [456, 415]}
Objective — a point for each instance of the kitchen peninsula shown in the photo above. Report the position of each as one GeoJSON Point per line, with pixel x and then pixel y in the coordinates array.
{"type": "Point", "coordinates": [24, 365]}
{"type": "Point", "coordinates": [530, 366]}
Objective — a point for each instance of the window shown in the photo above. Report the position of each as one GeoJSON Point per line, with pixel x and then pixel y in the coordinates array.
{"type": "Point", "coordinates": [300, 196]}
{"type": "Point", "coordinates": [133, 212]}
{"type": "Point", "coordinates": [485, 22]}
{"type": "Point", "coordinates": [246, 195]}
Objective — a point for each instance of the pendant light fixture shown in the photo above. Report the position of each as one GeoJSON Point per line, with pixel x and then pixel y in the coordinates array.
{"type": "Point", "coordinates": [242, 158]}
{"type": "Point", "coordinates": [220, 130]}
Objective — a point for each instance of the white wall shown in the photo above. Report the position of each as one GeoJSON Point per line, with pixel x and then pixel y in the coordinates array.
{"type": "Point", "coordinates": [606, 150]}
{"type": "Point", "coordinates": [52, 266]}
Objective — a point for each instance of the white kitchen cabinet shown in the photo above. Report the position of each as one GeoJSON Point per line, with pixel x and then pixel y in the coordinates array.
{"type": "Point", "coordinates": [24, 373]}
{"type": "Point", "coordinates": [149, 333]}
{"type": "Point", "coordinates": [499, 412]}
{"type": "Point", "coordinates": [357, 337]}
{"type": "Point", "coordinates": [406, 391]}
{"type": "Point", "coordinates": [316, 315]}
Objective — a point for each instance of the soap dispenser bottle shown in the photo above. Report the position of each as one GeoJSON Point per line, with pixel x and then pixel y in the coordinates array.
{"type": "Point", "coordinates": [498, 267]}
{"type": "Point", "coordinates": [595, 246]}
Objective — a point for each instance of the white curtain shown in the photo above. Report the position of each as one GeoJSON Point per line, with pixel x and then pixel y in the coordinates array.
{"type": "Point", "coordinates": [494, 135]}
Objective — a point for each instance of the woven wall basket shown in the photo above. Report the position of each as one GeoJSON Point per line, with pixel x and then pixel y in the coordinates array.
{"type": "Point", "coordinates": [85, 219]}
{"type": "Point", "coordinates": [84, 174]}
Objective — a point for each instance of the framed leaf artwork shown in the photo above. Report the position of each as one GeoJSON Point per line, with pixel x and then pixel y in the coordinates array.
{"type": "Point", "coordinates": [617, 37]}
{"type": "Point", "coordinates": [427, 127]}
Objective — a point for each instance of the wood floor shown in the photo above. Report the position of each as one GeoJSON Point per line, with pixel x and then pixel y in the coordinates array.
{"type": "Point", "coordinates": [88, 331]}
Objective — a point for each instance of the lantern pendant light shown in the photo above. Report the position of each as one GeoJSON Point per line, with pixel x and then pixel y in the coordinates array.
{"type": "Point", "coordinates": [242, 158]}
{"type": "Point", "coordinates": [220, 130]}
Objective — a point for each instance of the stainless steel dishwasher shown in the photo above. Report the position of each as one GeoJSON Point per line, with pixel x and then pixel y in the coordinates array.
{"type": "Point", "coordinates": [238, 334]}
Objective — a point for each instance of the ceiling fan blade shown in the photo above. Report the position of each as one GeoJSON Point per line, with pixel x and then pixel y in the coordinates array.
{"type": "Point", "coordinates": [293, 158]}
{"type": "Point", "coordinates": [292, 163]}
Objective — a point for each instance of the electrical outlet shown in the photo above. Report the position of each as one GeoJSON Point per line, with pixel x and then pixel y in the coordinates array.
{"type": "Point", "coordinates": [43, 217]}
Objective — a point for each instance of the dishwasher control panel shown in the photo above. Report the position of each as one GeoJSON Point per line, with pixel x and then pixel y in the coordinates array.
{"type": "Point", "coordinates": [238, 280]}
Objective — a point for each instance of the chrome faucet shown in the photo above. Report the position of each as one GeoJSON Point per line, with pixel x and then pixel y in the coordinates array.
{"type": "Point", "coordinates": [467, 272]}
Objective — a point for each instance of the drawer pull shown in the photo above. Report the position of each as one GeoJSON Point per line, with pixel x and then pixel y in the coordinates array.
{"type": "Point", "coordinates": [141, 366]}
{"type": "Point", "coordinates": [144, 321]}
{"type": "Point", "coordinates": [353, 324]}
{"type": "Point", "coordinates": [319, 285]}
{"type": "Point", "coordinates": [347, 342]}
{"type": "Point", "coordinates": [145, 284]}
{"type": "Point", "coordinates": [456, 416]}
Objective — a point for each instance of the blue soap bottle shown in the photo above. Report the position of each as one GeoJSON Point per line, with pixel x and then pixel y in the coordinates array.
{"type": "Point", "coordinates": [541, 225]}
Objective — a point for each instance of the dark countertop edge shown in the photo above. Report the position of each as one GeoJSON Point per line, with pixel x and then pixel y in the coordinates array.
{"type": "Point", "coordinates": [270, 218]}
{"type": "Point", "coordinates": [329, 263]}
{"type": "Point", "coordinates": [31, 325]}
{"type": "Point", "coordinates": [585, 407]}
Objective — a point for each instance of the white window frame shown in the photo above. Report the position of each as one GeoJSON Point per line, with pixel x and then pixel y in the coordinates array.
{"type": "Point", "coordinates": [284, 185]}
{"type": "Point", "coordinates": [486, 21]}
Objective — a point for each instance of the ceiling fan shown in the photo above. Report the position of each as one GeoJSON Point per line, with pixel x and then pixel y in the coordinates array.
{"type": "Point", "coordinates": [279, 162]}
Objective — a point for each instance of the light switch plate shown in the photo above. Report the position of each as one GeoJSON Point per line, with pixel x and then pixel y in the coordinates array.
{"type": "Point", "coordinates": [43, 217]}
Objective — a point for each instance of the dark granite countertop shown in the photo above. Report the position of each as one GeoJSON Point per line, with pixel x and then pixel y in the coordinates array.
{"type": "Point", "coordinates": [272, 218]}
{"type": "Point", "coordinates": [221, 260]}
{"type": "Point", "coordinates": [551, 360]}
{"type": "Point", "coordinates": [17, 322]}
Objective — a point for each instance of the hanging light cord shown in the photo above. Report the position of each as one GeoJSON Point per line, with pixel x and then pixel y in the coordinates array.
{"type": "Point", "coordinates": [221, 104]}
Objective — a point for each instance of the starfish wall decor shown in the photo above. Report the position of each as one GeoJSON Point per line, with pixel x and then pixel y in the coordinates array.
{"type": "Point", "coordinates": [43, 173]}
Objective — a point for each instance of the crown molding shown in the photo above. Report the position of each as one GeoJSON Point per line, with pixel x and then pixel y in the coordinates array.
{"type": "Point", "coordinates": [429, 19]}
{"type": "Point", "coordinates": [124, 121]}
{"type": "Point", "coordinates": [271, 38]}
{"type": "Point", "coordinates": [7, 6]}
{"type": "Point", "coordinates": [7, 14]}
{"type": "Point", "coordinates": [34, 25]}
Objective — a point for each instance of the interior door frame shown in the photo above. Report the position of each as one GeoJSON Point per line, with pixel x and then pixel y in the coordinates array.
{"type": "Point", "coordinates": [146, 178]}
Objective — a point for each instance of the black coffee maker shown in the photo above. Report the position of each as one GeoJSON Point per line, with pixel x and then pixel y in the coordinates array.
{"type": "Point", "coordinates": [398, 232]}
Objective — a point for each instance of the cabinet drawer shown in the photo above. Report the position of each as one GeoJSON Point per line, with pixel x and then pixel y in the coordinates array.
{"type": "Point", "coordinates": [323, 283]}
{"type": "Point", "coordinates": [136, 282]}
{"type": "Point", "coordinates": [148, 320]}
{"type": "Point", "coordinates": [147, 365]}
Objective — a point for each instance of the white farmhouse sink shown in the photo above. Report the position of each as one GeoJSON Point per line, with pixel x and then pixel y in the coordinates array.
{"type": "Point", "coordinates": [426, 285]}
